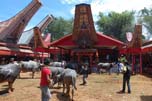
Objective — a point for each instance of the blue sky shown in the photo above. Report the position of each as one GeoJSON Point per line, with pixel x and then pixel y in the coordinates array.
{"type": "Point", "coordinates": [65, 8]}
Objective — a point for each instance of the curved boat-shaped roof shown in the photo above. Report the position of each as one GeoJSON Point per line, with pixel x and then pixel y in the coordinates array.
{"type": "Point", "coordinates": [27, 36]}
{"type": "Point", "coordinates": [11, 29]}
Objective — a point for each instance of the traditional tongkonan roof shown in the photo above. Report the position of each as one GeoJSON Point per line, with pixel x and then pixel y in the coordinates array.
{"type": "Point", "coordinates": [27, 37]}
{"type": "Point", "coordinates": [11, 29]}
{"type": "Point", "coordinates": [84, 35]}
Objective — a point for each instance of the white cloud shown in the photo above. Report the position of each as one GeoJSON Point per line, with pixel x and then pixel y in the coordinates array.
{"type": "Point", "coordinates": [119, 6]}
{"type": "Point", "coordinates": [72, 11]}
{"type": "Point", "coordinates": [74, 1]}
{"type": "Point", "coordinates": [106, 6]}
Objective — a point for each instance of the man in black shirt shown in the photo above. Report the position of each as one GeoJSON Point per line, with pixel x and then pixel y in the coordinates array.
{"type": "Point", "coordinates": [126, 78]}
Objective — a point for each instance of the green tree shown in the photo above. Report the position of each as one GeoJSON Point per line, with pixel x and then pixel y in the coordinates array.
{"type": "Point", "coordinates": [116, 24]}
{"type": "Point", "coordinates": [59, 27]}
{"type": "Point", "coordinates": [145, 18]}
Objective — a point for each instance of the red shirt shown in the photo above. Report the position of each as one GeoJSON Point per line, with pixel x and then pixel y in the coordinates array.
{"type": "Point", "coordinates": [44, 72]}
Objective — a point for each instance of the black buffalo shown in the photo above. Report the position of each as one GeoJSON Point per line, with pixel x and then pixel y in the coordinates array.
{"type": "Point", "coordinates": [30, 66]}
{"type": "Point", "coordinates": [74, 66]}
{"type": "Point", "coordinates": [58, 64]}
{"type": "Point", "coordinates": [9, 73]}
{"type": "Point", "coordinates": [54, 72]}
{"type": "Point", "coordinates": [68, 77]}
{"type": "Point", "coordinates": [105, 67]}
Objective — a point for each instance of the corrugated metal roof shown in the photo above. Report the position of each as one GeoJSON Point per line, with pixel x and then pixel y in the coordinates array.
{"type": "Point", "coordinates": [26, 37]}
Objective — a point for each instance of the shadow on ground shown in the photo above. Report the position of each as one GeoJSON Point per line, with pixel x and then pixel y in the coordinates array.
{"type": "Point", "coordinates": [4, 90]}
{"type": "Point", "coordinates": [146, 98]}
{"type": "Point", "coordinates": [28, 78]}
{"type": "Point", "coordinates": [148, 75]}
{"type": "Point", "coordinates": [61, 96]}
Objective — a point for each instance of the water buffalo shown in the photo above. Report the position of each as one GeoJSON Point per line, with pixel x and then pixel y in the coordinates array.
{"type": "Point", "coordinates": [54, 72]}
{"type": "Point", "coordinates": [58, 64]}
{"type": "Point", "coordinates": [104, 67]}
{"type": "Point", "coordinates": [30, 66]}
{"type": "Point", "coordinates": [73, 65]}
{"type": "Point", "coordinates": [68, 77]}
{"type": "Point", "coordinates": [9, 73]}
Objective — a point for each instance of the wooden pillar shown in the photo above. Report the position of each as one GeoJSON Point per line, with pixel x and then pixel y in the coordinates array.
{"type": "Point", "coordinates": [140, 63]}
{"type": "Point", "coordinates": [97, 57]}
{"type": "Point", "coordinates": [61, 54]}
{"type": "Point", "coordinates": [48, 55]}
{"type": "Point", "coordinates": [54, 57]}
{"type": "Point", "coordinates": [90, 56]}
{"type": "Point", "coordinates": [133, 63]}
{"type": "Point", "coordinates": [78, 57]}
{"type": "Point", "coordinates": [42, 57]}
{"type": "Point", "coordinates": [69, 52]}
{"type": "Point", "coordinates": [54, 54]}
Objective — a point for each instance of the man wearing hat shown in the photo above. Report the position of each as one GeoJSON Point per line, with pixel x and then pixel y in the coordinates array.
{"type": "Point", "coordinates": [45, 81]}
{"type": "Point", "coordinates": [122, 58]}
{"type": "Point", "coordinates": [126, 78]}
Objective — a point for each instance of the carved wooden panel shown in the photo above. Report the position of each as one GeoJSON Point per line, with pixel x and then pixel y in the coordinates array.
{"type": "Point", "coordinates": [38, 41]}
{"type": "Point", "coordinates": [137, 37]}
{"type": "Point", "coordinates": [84, 32]}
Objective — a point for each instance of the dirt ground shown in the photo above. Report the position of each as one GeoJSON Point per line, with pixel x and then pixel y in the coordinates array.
{"type": "Point", "coordinates": [102, 87]}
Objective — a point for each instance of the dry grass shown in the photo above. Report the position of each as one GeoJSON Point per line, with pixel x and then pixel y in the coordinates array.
{"type": "Point", "coordinates": [100, 88]}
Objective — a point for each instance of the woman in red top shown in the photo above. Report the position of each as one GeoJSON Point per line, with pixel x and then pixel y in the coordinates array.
{"type": "Point", "coordinates": [45, 81]}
